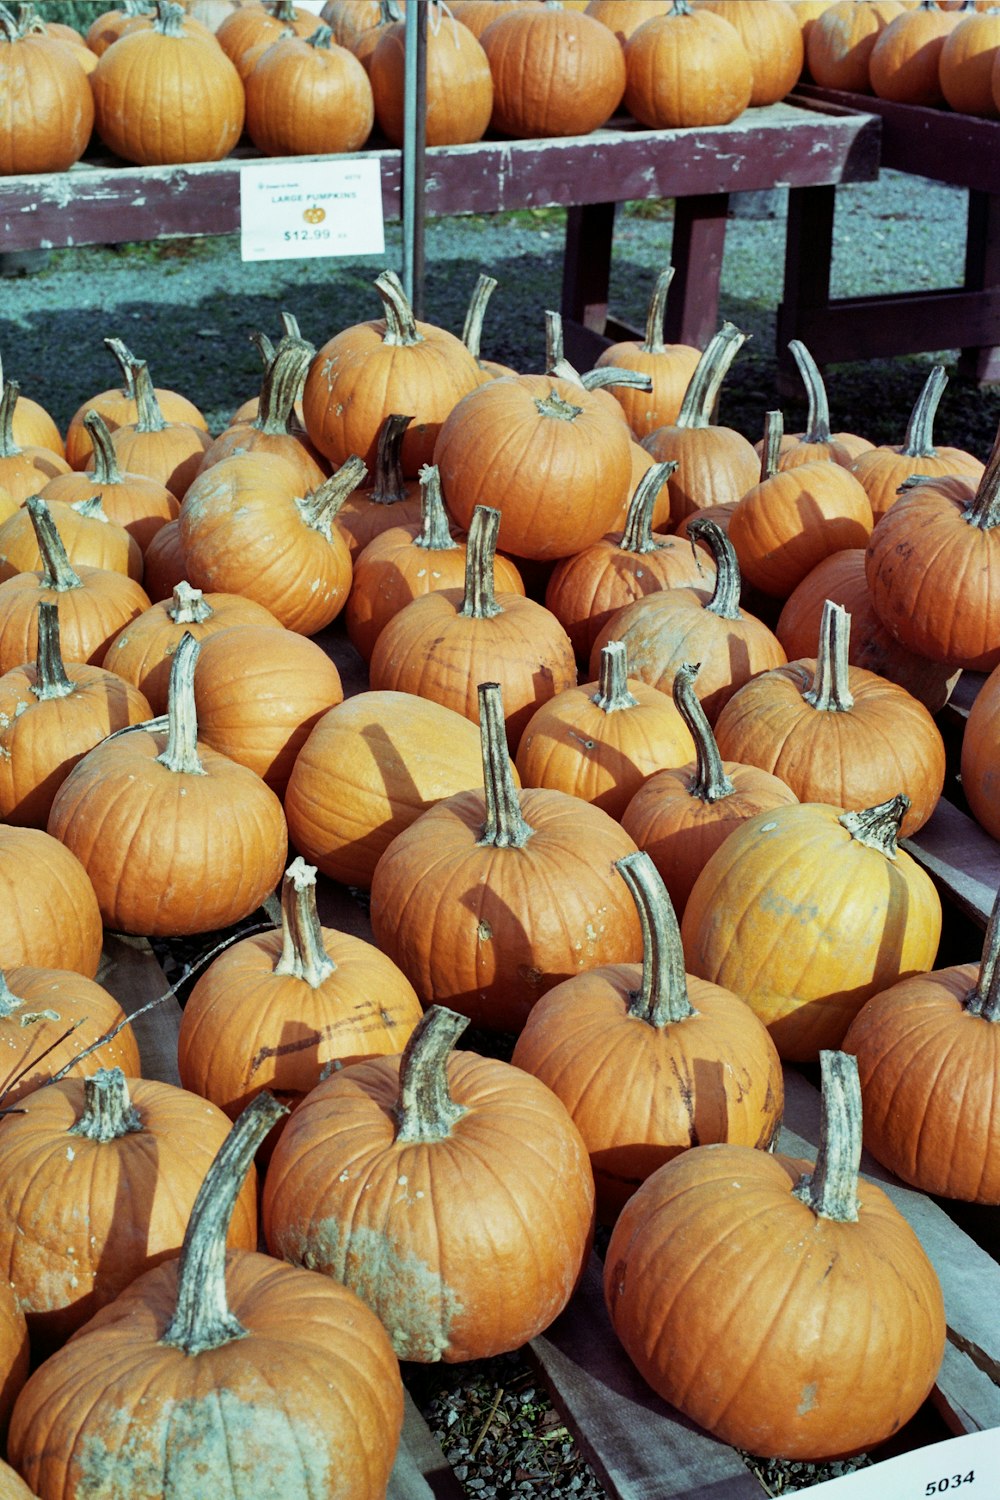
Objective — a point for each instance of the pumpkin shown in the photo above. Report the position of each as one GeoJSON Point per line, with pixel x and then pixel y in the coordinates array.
{"type": "Point", "coordinates": [33, 425]}
{"type": "Point", "coordinates": [88, 534]}
{"type": "Point", "coordinates": [817, 441]}
{"type": "Point", "coordinates": [486, 1242]}
{"type": "Point", "coordinates": [458, 84]}
{"type": "Point", "coordinates": [841, 39]}
{"type": "Point", "coordinates": [49, 108]}
{"type": "Point", "coordinates": [979, 755]}
{"type": "Point", "coordinates": [212, 1353]}
{"type": "Point", "coordinates": [555, 73]}
{"type": "Point", "coordinates": [15, 1356]}
{"type": "Point", "coordinates": [247, 34]}
{"type": "Point", "coordinates": [358, 24]}
{"type": "Point", "coordinates": [965, 66]}
{"type": "Point", "coordinates": [306, 97]}
{"type": "Point", "coordinates": [23, 469]}
{"type": "Point", "coordinates": [55, 1024]}
{"type": "Point", "coordinates": [670, 366]}
{"type": "Point", "coordinates": [476, 14]}
{"type": "Point", "coordinates": [140, 504]}
{"type": "Point", "coordinates": [12, 1486]}
{"type": "Point", "coordinates": [904, 62]}
{"type": "Point", "coordinates": [163, 566]}
{"type": "Point", "coordinates": [680, 815]}
{"type": "Point", "coordinates": [50, 716]}
{"type": "Point", "coordinates": [625, 16]}
{"type": "Point", "coordinates": [772, 36]}
{"type": "Point", "coordinates": [520, 881]}
{"type": "Point", "coordinates": [118, 405]}
{"type": "Point", "coordinates": [785, 1306]}
{"type": "Point", "coordinates": [165, 451]}
{"type": "Point", "coordinates": [700, 1066]}
{"type": "Point", "coordinates": [176, 838]}
{"type": "Point", "coordinates": [685, 68]}
{"type": "Point", "coordinates": [807, 911]}
{"type": "Point", "coordinates": [51, 916]}
{"type": "Point", "coordinates": [391, 500]}
{"type": "Point", "coordinates": [165, 94]}
{"type": "Point", "coordinates": [442, 644]}
{"type": "Point", "coordinates": [108, 26]}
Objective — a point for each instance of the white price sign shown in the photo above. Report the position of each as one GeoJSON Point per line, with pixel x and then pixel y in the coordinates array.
{"type": "Point", "coordinates": [313, 5]}
{"type": "Point", "coordinates": [291, 209]}
{"type": "Point", "coordinates": [961, 1468]}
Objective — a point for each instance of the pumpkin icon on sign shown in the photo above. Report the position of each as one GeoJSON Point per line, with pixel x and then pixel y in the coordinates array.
{"type": "Point", "coordinates": [314, 215]}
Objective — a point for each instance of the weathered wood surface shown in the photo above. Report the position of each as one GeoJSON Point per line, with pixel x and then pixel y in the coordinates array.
{"type": "Point", "coordinates": [962, 859]}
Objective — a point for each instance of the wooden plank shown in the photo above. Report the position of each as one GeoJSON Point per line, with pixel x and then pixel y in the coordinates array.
{"type": "Point", "coordinates": [858, 328]}
{"type": "Point", "coordinates": [962, 859]}
{"type": "Point", "coordinates": [421, 1471]}
{"type": "Point", "coordinates": [697, 251]}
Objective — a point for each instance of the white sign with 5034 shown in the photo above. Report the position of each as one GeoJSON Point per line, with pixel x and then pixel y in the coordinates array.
{"type": "Point", "coordinates": [292, 210]}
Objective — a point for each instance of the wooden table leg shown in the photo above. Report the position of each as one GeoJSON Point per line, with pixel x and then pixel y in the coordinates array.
{"type": "Point", "coordinates": [982, 273]}
{"type": "Point", "coordinates": [808, 255]}
{"type": "Point", "coordinates": [698, 244]}
{"type": "Point", "coordinates": [590, 231]}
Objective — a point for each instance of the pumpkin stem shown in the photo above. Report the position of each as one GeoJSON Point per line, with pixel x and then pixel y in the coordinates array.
{"type": "Point", "coordinates": [169, 18]}
{"type": "Point", "coordinates": [831, 1188]}
{"type": "Point", "coordinates": [656, 313]}
{"type": "Point", "coordinates": [57, 571]}
{"type": "Point", "coordinates": [400, 324]}
{"type": "Point", "coordinates": [726, 594]}
{"type": "Point", "coordinates": [710, 371]}
{"type": "Point", "coordinates": [106, 469]}
{"type": "Point", "coordinates": [505, 826]}
{"type": "Point", "coordinates": [181, 752]}
{"type": "Point", "coordinates": [92, 509]}
{"type": "Point", "coordinates": [774, 431]}
{"type": "Point", "coordinates": [710, 782]}
{"type": "Point", "coordinates": [8, 401]}
{"type": "Point", "coordinates": [150, 418]}
{"type": "Point", "coordinates": [425, 1110]}
{"type": "Point", "coordinates": [637, 535]}
{"type": "Point", "coordinates": [202, 1319]}
{"type": "Point", "coordinates": [321, 38]}
{"type": "Point", "coordinates": [389, 485]}
{"type": "Point", "coordinates": [984, 511]}
{"type": "Point", "coordinates": [50, 672]}
{"type": "Point", "coordinates": [878, 826]}
{"type": "Point", "coordinates": [108, 1112]}
{"type": "Point", "coordinates": [8, 26]}
{"type": "Point", "coordinates": [554, 405]}
{"type": "Point", "coordinates": [606, 375]}
{"type": "Point", "coordinates": [479, 600]}
{"type": "Point", "coordinates": [555, 350]}
{"type": "Point", "coordinates": [188, 606]}
{"type": "Point", "coordinates": [818, 418]}
{"type": "Point", "coordinates": [681, 8]}
{"type": "Point", "coordinates": [830, 691]}
{"type": "Point", "coordinates": [612, 688]}
{"type": "Point", "coordinates": [472, 330]}
{"type": "Point", "coordinates": [9, 1002]}
{"type": "Point", "coordinates": [263, 345]}
{"type": "Point", "coordinates": [281, 385]}
{"type": "Point", "coordinates": [319, 509]}
{"type": "Point", "coordinates": [984, 999]}
{"type": "Point", "coordinates": [126, 363]}
{"type": "Point", "coordinates": [303, 952]}
{"type": "Point", "coordinates": [662, 999]}
{"type": "Point", "coordinates": [435, 533]}
{"type": "Point", "coordinates": [919, 440]}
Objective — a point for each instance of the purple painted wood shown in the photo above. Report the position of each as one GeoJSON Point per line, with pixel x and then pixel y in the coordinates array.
{"type": "Point", "coordinates": [698, 246]}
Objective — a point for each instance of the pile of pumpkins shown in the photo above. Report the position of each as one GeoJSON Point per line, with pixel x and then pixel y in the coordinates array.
{"type": "Point", "coordinates": [663, 883]}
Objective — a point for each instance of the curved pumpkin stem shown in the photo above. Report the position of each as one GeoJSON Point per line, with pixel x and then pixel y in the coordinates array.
{"type": "Point", "coordinates": [126, 361]}
{"type": "Point", "coordinates": [637, 535]}
{"type": "Point", "coordinates": [8, 401]}
{"type": "Point", "coordinates": [818, 418]}
{"type": "Point", "coordinates": [282, 383]}
{"type": "Point", "coordinates": [181, 752]}
{"type": "Point", "coordinates": [830, 691]}
{"type": "Point", "coordinates": [319, 509]}
{"type": "Point", "coordinates": [51, 680]}
{"type": "Point", "coordinates": [919, 440]}
{"type": "Point", "coordinates": [984, 998]}
{"type": "Point", "coordinates": [554, 405]}
{"type": "Point", "coordinates": [169, 18]}
{"type": "Point", "coordinates": [505, 826]}
{"type": "Point", "coordinates": [984, 512]}
{"type": "Point", "coordinates": [479, 600]}
{"type": "Point", "coordinates": [303, 952]}
{"type": "Point", "coordinates": [107, 469]}
{"type": "Point", "coordinates": [92, 508]}
{"type": "Point", "coordinates": [831, 1188]}
{"type": "Point", "coordinates": [435, 533]}
{"type": "Point", "coordinates": [472, 330]}
{"type": "Point", "coordinates": [389, 485]}
{"type": "Point", "coordinates": [322, 38]}
{"type": "Point", "coordinates": [656, 313]}
{"type": "Point", "coordinates": [710, 782]}
{"type": "Point", "coordinates": [202, 1319]}
{"type": "Point", "coordinates": [770, 458]}
{"type": "Point", "coordinates": [57, 570]}
{"type": "Point", "coordinates": [725, 598]}
{"type": "Point", "coordinates": [188, 606]}
{"type": "Point", "coordinates": [662, 999]}
{"type": "Point", "coordinates": [606, 375]}
{"type": "Point", "coordinates": [400, 324]}
{"type": "Point", "coordinates": [878, 826]}
{"type": "Point", "coordinates": [612, 688]}
{"type": "Point", "coordinates": [150, 418]}
{"type": "Point", "coordinates": [425, 1110]}
{"type": "Point", "coordinates": [108, 1112]}
{"type": "Point", "coordinates": [710, 372]}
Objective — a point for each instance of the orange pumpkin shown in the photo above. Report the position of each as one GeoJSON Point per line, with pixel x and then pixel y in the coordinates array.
{"type": "Point", "coordinates": [52, 917]}
{"type": "Point", "coordinates": [686, 67]}
{"type": "Point", "coordinates": [49, 109]}
{"type": "Point", "coordinates": [670, 366]}
{"type": "Point", "coordinates": [458, 84]}
{"type": "Point", "coordinates": [555, 72]}
{"type": "Point", "coordinates": [51, 1022]}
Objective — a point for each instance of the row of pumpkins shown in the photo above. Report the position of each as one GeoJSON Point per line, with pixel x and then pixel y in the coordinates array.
{"type": "Point", "coordinates": [520, 67]}
{"type": "Point", "coordinates": [533, 895]}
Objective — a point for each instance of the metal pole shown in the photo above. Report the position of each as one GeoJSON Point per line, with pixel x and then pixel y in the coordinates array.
{"type": "Point", "coordinates": [414, 139]}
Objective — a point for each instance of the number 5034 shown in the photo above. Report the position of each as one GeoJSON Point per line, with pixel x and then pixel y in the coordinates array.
{"type": "Point", "coordinates": [939, 1486]}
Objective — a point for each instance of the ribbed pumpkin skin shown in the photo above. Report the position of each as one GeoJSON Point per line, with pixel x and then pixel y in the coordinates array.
{"type": "Point", "coordinates": [89, 617]}
{"type": "Point", "coordinates": [883, 470]}
{"type": "Point", "coordinates": [29, 470]}
{"type": "Point", "coordinates": [788, 523]}
{"type": "Point", "coordinates": [965, 66]}
{"type": "Point", "coordinates": [33, 426]}
{"type": "Point", "coordinates": [779, 1331]}
{"type": "Point", "coordinates": [686, 70]}
{"type": "Point", "coordinates": [249, 31]}
{"type": "Point", "coordinates": [928, 1072]}
{"type": "Point", "coordinates": [231, 1419]}
{"type": "Point", "coordinates": [119, 409]}
{"type": "Point", "coordinates": [308, 101]}
{"type": "Point", "coordinates": [841, 39]}
{"type": "Point", "coordinates": [466, 1246]}
{"type": "Point", "coordinates": [163, 99]}
{"type": "Point", "coordinates": [486, 931]}
{"type": "Point", "coordinates": [904, 62]}
{"type": "Point", "coordinates": [459, 83]}
{"type": "Point", "coordinates": [88, 541]}
{"type": "Point", "coordinates": [369, 768]}
{"type": "Point", "coordinates": [980, 779]}
{"type": "Point", "coordinates": [15, 1358]}
{"type": "Point", "coordinates": [554, 72]}
{"type": "Point", "coordinates": [807, 923]}
{"type": "Point", "coordinates": [46, 106]}
{"type": "Point", "coordinates": [714, 466]}
{"type": "Point", "coordinates": [162, 863]}
{"type": "Point", "coordinates": [770, 31]}
{"type": "Point", "coordinates": [35, 1051]}
{"type": "Point", "coordinates": [139, 504]}
{"type": "Point", "coordinates": [82, 1219]}
{"type": "Point", "coordinates": [51, 916]}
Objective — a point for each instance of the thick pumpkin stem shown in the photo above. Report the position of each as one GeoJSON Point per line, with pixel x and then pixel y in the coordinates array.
{"type": "Point", "coordinates": [303, 952]}
{"type": "Point", "coordinates": [9, 1002]}
{"type": "Point", "coordinates": [150, 418]}
{"type": "Point", "coordinates": [282, 382]}
{"type": "Point", "coordinates": [50, 672]}
{"type": "Point", "coordinates": [984, 999]}
{"type": "Point", "coordinates": [637, 535]}
{"type": "Point", "coordinates": [612, 687]}
{"type": "Point", "coordinates": [400, 324]}
{"type": "Point", "coordinates": [830, 691]}
{"type": "Point", "coordinates": [126, 363]}
{"type": "Point", "coordinates": [554, 405]}
{"type": "Point", "coordinates": [505, 826]}
{"type": "Point", "coordinates": [984, 512]}
{"type": "Point", "coordinates": [555, 351]}
{"type": "Point", "coordinates": [774, 431]}
{"type": "Point", "coordinates": [711, 369]}
{"type": "Point", "coordinates": [435, 533]}
{"type": "Point", "coordinates": [662, 999]}
{"type": "Point", "coordinates": [818, 417]}
{"type": "Point", "coordinates": [479, 600]}
{"type": "Point", "coordinates": [189, 606]}
{"type": "Point", "coordinates": [425, 1110]}
{"type": "Point", "coordinates": [656, 313]}
{"type": "Point", "coordinates": [681, 8]}
{"type": "Point", "coordinates": [725, 600]}
{"type": "Point", "coordinates": [57, 571]}
{"type": "Point", "coordinates": [878, 826]}
{"type": "Point", "coordinates": [831, 1188]}
{"type": "Point", "coordinates": [263, 345]}
{"type": "Point", "coordinates": [389, 485]}
{"type": "Point", "coordinates": [181, 753]}
{"type": "Point", "coordinates": [202, 1319]}
{"type": "Point", "coordinates": [107, 469]}
{"type": "Point", "coordinates": [169, 18]}
{"type": "Point", "coordinates": [8, 26]}
{"type": "Point", "coordinates": [92, 509]}
{"type": "Point", "coordinates": [319, 510]}
{"type": "Point", "coordinates": [8, 401]}
{"type": "Point", "coordinates": [919, 440]}
{"type": "Point", "coordinates": [108, 1112]}
{"type": "Point", "coordinates": [472, 329]}
{"type": "Point", "coordinates": [606, 375]}
{"type": "Point", "coordinates": [710, 782]}
{"type": "Point", "coordinates": [322, 37]}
